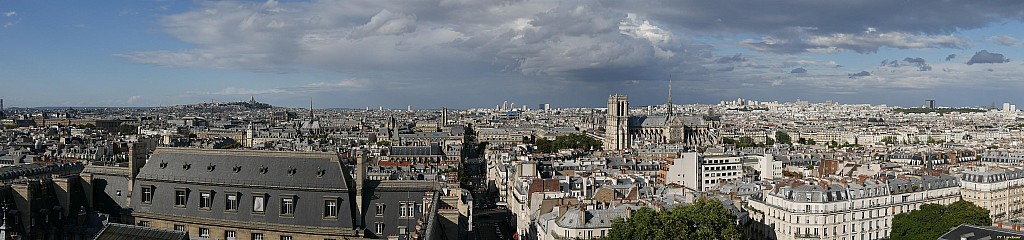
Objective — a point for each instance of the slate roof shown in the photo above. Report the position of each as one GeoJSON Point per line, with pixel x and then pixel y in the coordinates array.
{"type": "Point", "coordinates": [971, 232]}
{"type": "Point", "coordinates": [259, 168]}
{"type": "Point", "coordinates": [114, 231]}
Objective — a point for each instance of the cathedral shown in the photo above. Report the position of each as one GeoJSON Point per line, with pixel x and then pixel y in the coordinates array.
{"type": "Point", "coordinates": [623, 131]}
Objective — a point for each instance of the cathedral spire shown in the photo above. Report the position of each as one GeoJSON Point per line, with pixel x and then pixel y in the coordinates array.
{"type": "Point", "coordinates": [670, 95]}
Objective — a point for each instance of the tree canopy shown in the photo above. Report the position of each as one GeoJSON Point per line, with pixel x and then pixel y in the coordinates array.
{"type": "Point", "coordinates": [933, 220]}
{"type": "Point", "coordinates": [571, 141]}
{"type": "Point", "coordinates": [783, 138]}
{"type": "Point", "coordinates": [704, 219]}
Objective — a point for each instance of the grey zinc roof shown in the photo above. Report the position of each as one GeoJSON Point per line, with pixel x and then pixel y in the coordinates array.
{"type": "Point", "coordinates": [114, 231]}
{"type": "Point", "coordinates": [259, 168]}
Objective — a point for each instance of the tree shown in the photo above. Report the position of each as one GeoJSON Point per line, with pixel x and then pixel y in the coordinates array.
{"type": "Point", "coordinates": [769, 141]}
{"type": "Point", "coordinates": [933, 220]}
{"type": "Point", "coordinates": [704, 219]}
{"type": "Point", "coordinates": [801, 141]}
{"type": "Point", "coordinates": [544, 145]}
{"type": "Point", "coordinates": [891, 140]}
{"type": "Point", "coordinates": [575, 141]}
{"type": "Point", "coordinates": [811, 142]}
{"type": "Point", "coordinates": [783, 138]}
{"type": "Point", "coordinates": [126, 129]}
{"type": "Point", "coordinates": [383, 143]}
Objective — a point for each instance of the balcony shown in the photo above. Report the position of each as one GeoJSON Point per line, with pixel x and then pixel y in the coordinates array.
{"type": "Point", "coordinates": [806, 235]}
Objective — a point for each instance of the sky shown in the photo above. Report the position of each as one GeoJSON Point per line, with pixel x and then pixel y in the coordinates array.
{"type": "Point", "coordinates": [479, 53]}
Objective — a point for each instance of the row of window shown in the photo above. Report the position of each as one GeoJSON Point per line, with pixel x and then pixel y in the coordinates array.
{"type": "Point", "coordinates": [231, 201]}
{"type": "Point", "coordinates": [228, 234]}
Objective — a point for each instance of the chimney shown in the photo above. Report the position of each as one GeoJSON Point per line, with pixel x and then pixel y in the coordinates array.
{"type": "Point", "coordinates": [359, 179]}
{"type": "Point", "coordinates": [583, 214]}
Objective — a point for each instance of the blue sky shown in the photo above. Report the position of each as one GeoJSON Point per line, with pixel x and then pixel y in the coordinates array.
{"type": "Point", "coordinates": [455, 53]}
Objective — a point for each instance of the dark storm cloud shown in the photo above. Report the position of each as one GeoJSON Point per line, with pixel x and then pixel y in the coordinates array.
{"type": "Point", "coordinates": [984, 56]}
{"type": "Point", "coordinates": [860, 74]}
{"type": "Point", "coordinates": [798, 70]}
{"type": "Point", "coordinates": [860, 26]}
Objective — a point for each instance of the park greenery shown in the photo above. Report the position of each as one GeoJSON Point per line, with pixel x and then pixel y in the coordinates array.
{"type": "Point", "coordinates": [704, 219]}
{"type": "Point", "coordinates": [571, 141]}
{"type": "Point", "coordinates": [933, 220]}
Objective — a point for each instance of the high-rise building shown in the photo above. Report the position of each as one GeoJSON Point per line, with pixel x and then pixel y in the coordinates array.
{"type": "Point", "coordinates": [1006, 107]}
{"type": "Point", "coordinates": [617, 125]}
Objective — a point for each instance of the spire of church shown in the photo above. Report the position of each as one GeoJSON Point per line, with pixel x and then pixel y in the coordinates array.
{"type": "Point", "coordinates": [670, 95]}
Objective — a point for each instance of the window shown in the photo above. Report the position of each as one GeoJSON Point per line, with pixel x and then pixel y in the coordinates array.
{"type": "Point", "coordinates": [206, 200]}
{"type": "Point", "coordinates": [330, 208]}
{"type": "Point", "coordinates": [229, 235]}
{"type": "Point", "coordinates": [144, 223]}
{"type": "Point", "coordinates": [180, 228]}
{"type": "Point", "coordinates": [258, 204]}
{"type": "Point", "coordinates": [287, 205]}
{"type": "Point", "coordinates": [286, 237]}
{"type": "Point", "coordinates": [147, 194]}
{"type": "Point", "coordinates": [231, 202]}
{"type": "Point", "coordinates": [180, 197]}
{"type": "Point", "coordinates": [204, 232]}
{"type": "Point", "coordinates": [380, 228]}
{"type": "Point", "coordinates": [380, 209]}
{"type": "Point", "coordinates": [257, 236]}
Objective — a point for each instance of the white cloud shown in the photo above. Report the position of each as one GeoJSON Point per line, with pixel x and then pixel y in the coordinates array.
{"type": "Point", "coordinates": [10, 13]}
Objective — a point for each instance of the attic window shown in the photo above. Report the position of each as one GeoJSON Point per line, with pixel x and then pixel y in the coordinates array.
{"type": "Point", "coordinates": [163, 165]}
{"type": "Point", "coordinates": [320, 172]}
{"type": "Point", "coordinates": [211, 167]}
{"type": "Point", "coordinates": [263, 170]}
{"type": "Point", "coordinates": [291, 171]}
{"type": "Point", "coordinates": [186, 166]}
{"type": "Point", "coordinates": [237, 169]}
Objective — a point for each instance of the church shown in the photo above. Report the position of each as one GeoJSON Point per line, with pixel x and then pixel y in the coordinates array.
{"type": "Point", "coordinates": [623, 131]}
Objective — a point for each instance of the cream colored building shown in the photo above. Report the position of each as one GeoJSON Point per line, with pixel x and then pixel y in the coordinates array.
{"type": "Point", "coordinates": [1001, 191]}
{"type": "Point", "coordinates": [844, 211]}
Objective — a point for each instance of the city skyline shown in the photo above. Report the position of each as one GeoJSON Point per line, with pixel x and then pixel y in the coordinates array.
{"type": "Point", "coordinates": [471, 54]}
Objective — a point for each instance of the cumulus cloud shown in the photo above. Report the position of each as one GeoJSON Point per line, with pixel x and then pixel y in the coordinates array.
{"type": "Point", "coordinates": [429, 40]}
{"type": "Point", "coordinates": [984, 56]}
{"type": "Point", "coordinates": [10, 14]}
{"type": "Point", "coordinates": [916, 62]}
{"type": "Point", "coordinates": [859, 74]}
{"type": "Point", "coordinates": [798, 70]}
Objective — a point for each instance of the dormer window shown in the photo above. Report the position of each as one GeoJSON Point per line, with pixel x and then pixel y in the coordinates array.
{"type": "Point", "coordinates": [163, 165]}
{"type": "Point", "coordinates": [291, 171]}
{"type": "Point", "coordinates": [264, 170]}
{"type": "Point", "coordinates": [186, 166]}
{"type": "Point", "coordinates": [237, 169]}
{"type": "Point", "coordinates": [320, 172]}
{"type": "Point", "coordinates": [211, 167]}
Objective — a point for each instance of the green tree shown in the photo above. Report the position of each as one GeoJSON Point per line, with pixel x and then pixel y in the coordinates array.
{"type": "Point", "coordinates": [544, 145]}
{"type": "Point", "coordinates": [704, 219]}
{"type": "Point", "coordinates": [383, 143]}
{"type": "Point", "coordinates": [932, 220]}
{"type": "Point", "coordinates": [769, 141]}
{"type": "Point", "coordinates": [745, 142]}
{"type": "Point", "coordinates": [125, 129]}
{"type": "Point", "coordinates": [801, 141]}
{"type": "Point", "coordinates": [811, 142]}
{"type": "Point", "coordinates": [575, 141]}
{"type": "Point", "coordinates": [891, 140]}
{"type": "Point", "coordinates": [783, 138]}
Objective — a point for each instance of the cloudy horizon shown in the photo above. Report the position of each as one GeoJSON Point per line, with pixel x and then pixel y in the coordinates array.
{"type": "Point", "coordinates": [466, 54]}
